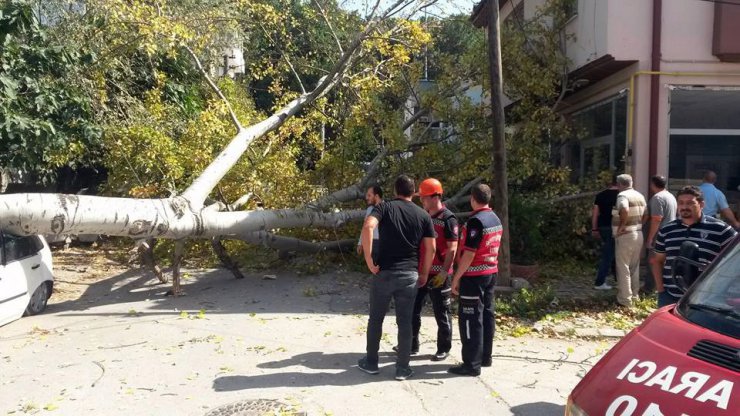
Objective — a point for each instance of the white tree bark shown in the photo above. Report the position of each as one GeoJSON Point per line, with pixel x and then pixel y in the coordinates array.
{"type": "Point", "coordinates": [172, 218]}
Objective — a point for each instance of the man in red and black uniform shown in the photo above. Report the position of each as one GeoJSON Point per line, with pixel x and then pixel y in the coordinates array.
{"type": "Point", "coordinates": [473, 282]}
{"type": "Point", "coordinates": [438, 284]}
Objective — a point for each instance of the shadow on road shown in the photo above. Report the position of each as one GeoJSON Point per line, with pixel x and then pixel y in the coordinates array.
{"type": "Point", "coordinates": [218, 292]}
{"type": "Point", "coordinates": [344, 372]}
{"type": "Point", "coordinates": [538, 409]}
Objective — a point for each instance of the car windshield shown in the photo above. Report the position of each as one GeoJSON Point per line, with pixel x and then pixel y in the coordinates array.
{"type": "Point", "coordinates": [714, 301]}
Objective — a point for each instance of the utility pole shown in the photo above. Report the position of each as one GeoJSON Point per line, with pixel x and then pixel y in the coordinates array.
{"type": "Point", "coordinates": [500, 178]}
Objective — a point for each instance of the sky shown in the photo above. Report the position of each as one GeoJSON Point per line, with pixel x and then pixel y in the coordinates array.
{"type": "Point", "coordinates": [441, 8]}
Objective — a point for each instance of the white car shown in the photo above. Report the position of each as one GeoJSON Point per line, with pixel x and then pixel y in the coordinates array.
{"type": "Point", "coordinates": [26, 277]}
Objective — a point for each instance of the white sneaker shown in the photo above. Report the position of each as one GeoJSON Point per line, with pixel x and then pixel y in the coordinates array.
{"type": "Point", "coordinates": [603, 286]}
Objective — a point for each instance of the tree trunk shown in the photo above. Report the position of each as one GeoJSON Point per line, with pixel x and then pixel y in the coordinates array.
{"type": "Point", "coordinates": [500, 177]}
{"type": "Point", "coordinates": [171, 218]}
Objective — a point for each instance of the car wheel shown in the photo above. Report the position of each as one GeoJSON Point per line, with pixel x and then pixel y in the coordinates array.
{"type": "Point", "coordinates": [38, 301]}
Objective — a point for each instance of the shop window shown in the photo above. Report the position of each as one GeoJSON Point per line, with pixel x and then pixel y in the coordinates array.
{"type": "Point", "coordinates": [705, 135]}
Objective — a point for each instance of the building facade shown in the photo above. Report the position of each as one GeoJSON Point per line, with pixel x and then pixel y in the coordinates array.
{"type": "Point", "coordinates": [654, 87]}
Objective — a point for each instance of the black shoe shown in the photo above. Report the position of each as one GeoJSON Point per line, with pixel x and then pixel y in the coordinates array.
{"type": "Point", "coordinates": [487, 362]}
{"type": "Point", "coordinates": [440, 356]}
{"type": "Point", "coordinates": [413, 351]}
{"type": "Point", "coordinates": [365, 366]}
{"type": "Point", "coordinates": [462, 370]}
{"type": "Point", "coordinates": [402, 373]}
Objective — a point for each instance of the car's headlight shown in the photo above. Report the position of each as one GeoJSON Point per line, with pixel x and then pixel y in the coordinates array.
{"type": "Point", "coordinates": [572, 409]}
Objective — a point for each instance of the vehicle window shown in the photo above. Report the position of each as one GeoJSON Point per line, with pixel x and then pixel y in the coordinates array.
{"type": "Point", "coordinates": [17, 248]}
{"type": "Point", "coordinates": [36, 243]}
{"type": "Point", "coordinates": [714, 301]}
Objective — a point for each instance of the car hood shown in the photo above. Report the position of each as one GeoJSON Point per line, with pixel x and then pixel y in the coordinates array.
{"type": "Point", "coordinates": [650, 372]}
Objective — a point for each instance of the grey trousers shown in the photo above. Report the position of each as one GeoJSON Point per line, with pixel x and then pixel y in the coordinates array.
{"type": "Point", "coordinates": [401, 287]}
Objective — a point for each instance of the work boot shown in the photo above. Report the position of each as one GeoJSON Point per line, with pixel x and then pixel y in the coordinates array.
{"type": "Point", "coordinates": [402, 373]}
{"type": "Point", "coordinates": [463, 370]}
{"type": "Point", "coordinates": [367, 367]}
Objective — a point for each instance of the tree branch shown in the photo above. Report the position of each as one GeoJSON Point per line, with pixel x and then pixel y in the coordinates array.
{"type": "Point", "coordinates": [463, 193]}
{"type": "Point", "coordinates": [328, 23]}
{"type": "Point", "coordinates": [215, 88]}
{"type": "Point", "coordinates": [220, 166]}
{"type": "Point", "coordinates": [224, 258]}
{"type": "Point", "coordinates": [240, 202]}
{"type": "Point", "coordinates": [295, 73]}
{"type": "Point", "coordinates": [283, 243]}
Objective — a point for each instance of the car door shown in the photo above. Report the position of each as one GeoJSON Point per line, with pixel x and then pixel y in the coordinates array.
{"type": "Point", "coordinates": [21, 274]}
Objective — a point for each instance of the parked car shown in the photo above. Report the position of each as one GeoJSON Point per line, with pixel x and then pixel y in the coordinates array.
{"type": "Point", "coordinates": [684, 360]}
{"type": "Point", "coordinates": [26, 278]}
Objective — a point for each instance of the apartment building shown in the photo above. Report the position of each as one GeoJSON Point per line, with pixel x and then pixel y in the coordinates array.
{"type": "Point", "coordinates": [654, 87]}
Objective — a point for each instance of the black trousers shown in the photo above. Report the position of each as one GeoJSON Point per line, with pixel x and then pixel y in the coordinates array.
{"type": "Point", "coordinates": [442, 314]}
{"type": "Point", "coordinates": [476, 318]}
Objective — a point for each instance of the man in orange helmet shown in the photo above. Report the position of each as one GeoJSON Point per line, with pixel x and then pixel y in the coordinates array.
{"type": "Point", "coordinates": [438, 284]}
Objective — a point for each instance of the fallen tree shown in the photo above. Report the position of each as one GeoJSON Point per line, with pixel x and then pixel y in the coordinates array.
{"type": "Point", "coordinates": [187, 215]}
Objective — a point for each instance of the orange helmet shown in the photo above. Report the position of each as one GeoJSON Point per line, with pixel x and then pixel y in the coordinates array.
{"type": "Point", "coordinates": [430, 187]}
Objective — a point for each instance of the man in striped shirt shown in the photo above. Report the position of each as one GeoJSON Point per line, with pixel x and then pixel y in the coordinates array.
{"type": "Point", "coordinates": [627, 229]}
{"type": "Point", "coordinates": [711, 234]}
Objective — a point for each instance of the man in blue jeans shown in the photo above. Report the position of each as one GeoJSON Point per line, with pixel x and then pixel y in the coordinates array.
{"type": "Point", "coordinates": [403, 228]}
{"type": "Point", "coordinates": [601, 228]}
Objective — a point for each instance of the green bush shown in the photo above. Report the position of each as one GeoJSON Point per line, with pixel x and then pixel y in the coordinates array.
{"type": "Point", "coordinates": [525, 222]}
{"type": "Point", "coordinates": [527, 303]}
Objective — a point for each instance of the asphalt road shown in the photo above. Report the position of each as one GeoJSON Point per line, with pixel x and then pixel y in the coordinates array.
{"type": "Point", "coordinates": [125, 349]}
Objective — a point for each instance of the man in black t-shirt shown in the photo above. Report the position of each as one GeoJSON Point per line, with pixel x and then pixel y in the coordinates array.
{"type": "Point", "coordinates": [403, 228]}
{"type": "Point", "coordinates": [601, 227]}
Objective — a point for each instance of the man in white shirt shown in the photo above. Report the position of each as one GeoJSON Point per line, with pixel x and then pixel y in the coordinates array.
{"type": "Point", "coordinates": [627, 228]}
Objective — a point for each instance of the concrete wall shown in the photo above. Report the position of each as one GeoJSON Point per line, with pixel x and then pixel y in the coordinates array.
{"type": "Point", "coordinates": [687, 31]}
{"type": "Point", "coordinates": [589, 33]}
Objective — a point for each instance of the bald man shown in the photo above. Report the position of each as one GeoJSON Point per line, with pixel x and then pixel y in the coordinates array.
{"type": "Point", "coordinates": [715, 201]}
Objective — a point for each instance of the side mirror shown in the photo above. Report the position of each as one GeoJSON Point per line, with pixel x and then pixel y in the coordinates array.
{"type": "Point", "coordinates": [685, 268]}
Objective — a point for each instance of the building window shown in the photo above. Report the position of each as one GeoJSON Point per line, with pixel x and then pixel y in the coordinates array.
{"type": "Point", "coordinates": [570, 9]}
{"type": "Point", "coordinates": [600, 133]}
{"type": "Point", "coordinates": [705, 135]}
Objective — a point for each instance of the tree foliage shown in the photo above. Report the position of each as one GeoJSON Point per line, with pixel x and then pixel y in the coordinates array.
{"type": "Point", "coordinates": [114, 83]}
{"type": "Point", "coordinates": [46, 119]}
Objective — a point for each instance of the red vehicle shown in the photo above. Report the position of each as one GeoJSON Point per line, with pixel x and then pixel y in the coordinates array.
{"type": "Point", "coordinates": [684, 360]}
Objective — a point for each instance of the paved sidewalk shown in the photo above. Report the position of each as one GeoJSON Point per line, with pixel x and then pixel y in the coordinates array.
{"type": "Point", "coordinates": [123, 349]}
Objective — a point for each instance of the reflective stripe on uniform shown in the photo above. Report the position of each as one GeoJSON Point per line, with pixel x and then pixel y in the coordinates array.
{"type": "Point", "coordinates": [481, 268]}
